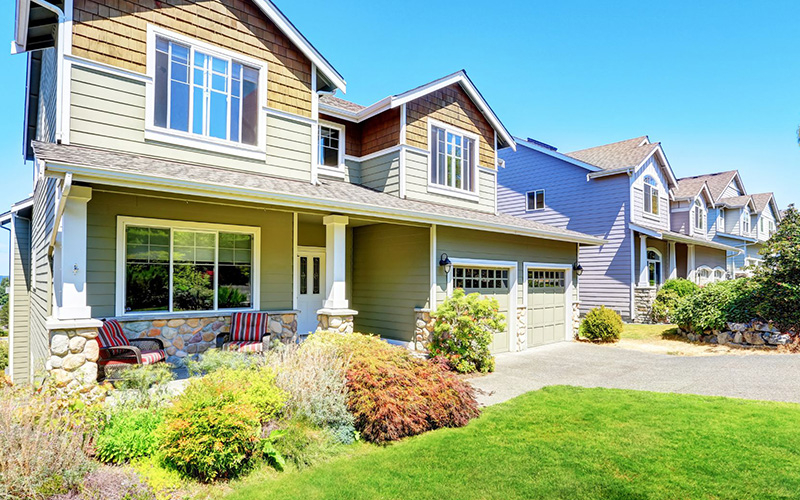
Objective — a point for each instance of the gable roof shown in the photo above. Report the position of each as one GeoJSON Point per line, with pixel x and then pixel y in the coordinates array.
{"type": "Point", "coordinates": [689, 188]}
{"type": "Point", "coordinates": [348, 110]}
{"type": "Point", "coordinates": [124, 169]}
{"type": "Point", "coordinates": [762, 200]}
{"type": "Point", "coordinates": [550, 151]}
{"type": "Point", "coordinates": [737, 201]}
{"type": "Point", "coordinates": [622, 156]}
{"type": "Point", "coordinates": [717, 182]}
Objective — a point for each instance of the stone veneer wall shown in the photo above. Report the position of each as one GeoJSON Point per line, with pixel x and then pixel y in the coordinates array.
{"type": "Point", "coordinates": [423, 329]}
{"type": "Point", "coordinates": [643, 298]}
{"type": "Point", "coordinates": [73, 358]}
{"type": "Point", "coordinates": [335, 323]}
{"type": "Point", "coordinates": [576, 319]}
{"type": "Point", "coordinates": [522, 327]}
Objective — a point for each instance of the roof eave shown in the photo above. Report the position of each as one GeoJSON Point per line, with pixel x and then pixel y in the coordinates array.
{"type": "Point", "coordinates": [557, 155]}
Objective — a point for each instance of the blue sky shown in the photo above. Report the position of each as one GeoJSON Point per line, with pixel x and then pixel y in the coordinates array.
{"type": "Point", "coordinates": [718, 83]}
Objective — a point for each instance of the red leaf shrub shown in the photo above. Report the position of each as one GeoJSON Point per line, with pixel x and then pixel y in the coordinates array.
{"type": "Point", "coordinates": [392, 395]}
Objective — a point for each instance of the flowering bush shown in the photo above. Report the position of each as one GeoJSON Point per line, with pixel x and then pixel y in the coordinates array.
{"type": "Point", "coordinates": [464, 329]}
{"type": "Point", "coordinates": [392, 394]}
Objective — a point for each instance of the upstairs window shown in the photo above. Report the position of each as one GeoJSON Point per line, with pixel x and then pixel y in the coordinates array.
{"type": "Point", "coordinates": [205, 93]}
{"type": "Point", "coordinates": [771, 228]}
{"type": "Point", "coordinates": [453, 155]}
{"type": "Point", "coordinates": [535, 200]}
{"type": "Point", "coordinates": [650, 196]}
{"type": "Point", "coordinates": [699, 216]}
{"type": "Point", "coordinates": [746, 221]}
{"type": "Point", "coordinates": [763, 228]}
{"type": "Point", "coordinates": [721, 220]}
{"type": "Point", "coordinates": [331, 146]}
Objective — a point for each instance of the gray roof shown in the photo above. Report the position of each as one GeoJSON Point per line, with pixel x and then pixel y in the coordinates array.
{"type": "Point", "coordinates": [689, 187]}
{"type": "Point", "coordinates": [628, 153]}
{"type": "Point", "coordinates": [761, 200]}
{"type": "Point", "coordinates": [337, 196]}
{"type": "Point", "coordinates": [717, 182]}
{"type": "Point", "coordinates": [695, 240]}
{"type": "Point", "coordinates": [735, 201]}
{"type": "Point", "coordinates": [340, 103]}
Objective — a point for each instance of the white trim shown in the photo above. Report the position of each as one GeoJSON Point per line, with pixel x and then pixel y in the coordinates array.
{"type": "Point", "coordinates": [387, 151]}
{"type": "Point", "coordinates": [513, 281]}
{"type": "Point", "coordinates": [569, 293]}
{"type": "Point", "coordinates": [402, 174]}
{"type": "Point", "coordinates": [255, 273]}
{"type": "Point", "coordinates": [649, 232]}
{"type": "Point", "coordinates": [188, 138]}
{"type": "Point", "coordinates": [471, 194]}
{"type": "Point", "coordinates": [127, 74]}
{"type": "Point", "coordinates": [453, 193]}
{"type": "Point", "coordinates": [230, 193]}
{"type": "Point", "coordinates": [315, 128]}
{"type": "Point", "coordinates": [403, 119]}
{"type": "Point", "coordinates": [660, 261]}
{"type": "Point", "coordinates": [295, 282]}
{"type": "Point", "coordinates": [608, 173]}
{"type": "Point", "coordinates": [289, 116]}
{"type": "Point", "coordinates": [326, 169]}
{"type": "Point", "coordinates": [434, 257]}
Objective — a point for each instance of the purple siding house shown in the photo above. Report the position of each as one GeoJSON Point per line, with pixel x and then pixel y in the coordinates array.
{"type": "Point", "coordinates": [626, 193]}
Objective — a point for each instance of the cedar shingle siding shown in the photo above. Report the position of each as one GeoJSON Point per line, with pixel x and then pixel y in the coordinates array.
{"type": "Point", "coordinates": [352, 134]}
{"type": "Point", "coordinates": [115, 33]}
{"type": "Point", "coordinates": [380, 132]}
{"type": "Point", "coordinates": [450, 105]}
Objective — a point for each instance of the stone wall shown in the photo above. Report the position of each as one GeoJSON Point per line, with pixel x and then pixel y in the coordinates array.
{"type": "Point", "coordinates": [576, 319]}
{"type": "Point", "coordinates": [73, 358]}
{"type": "Point", "coordinates": [643, 298]}
{"type": "Point", "coordinates": [752, 334]}
{"type": "Point", "coordinates": [423, 329]}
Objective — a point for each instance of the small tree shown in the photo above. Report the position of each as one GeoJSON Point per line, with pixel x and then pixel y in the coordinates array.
{"type": "Point", "coordinates": [464, 329]}
{"type": "Point", "coordinates": [779, 274]}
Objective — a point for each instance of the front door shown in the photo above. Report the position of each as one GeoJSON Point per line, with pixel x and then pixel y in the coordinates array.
{"type": "Point", "coordinates": [310, 269]}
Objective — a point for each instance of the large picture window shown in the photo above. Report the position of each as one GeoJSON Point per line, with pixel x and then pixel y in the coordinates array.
{"type": "Point", "coordinates": [452, 159]}
{"type": "Point", "coordinates": [205, 93]}
{"type": "Point", "coordinates": [171, 267]}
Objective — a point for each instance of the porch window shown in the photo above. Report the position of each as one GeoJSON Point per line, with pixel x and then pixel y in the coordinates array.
{"type": "Point", "coordinates": [650, 196]}
{"type": "Point", "coordinates": [535, 200]}
{"type": "Point", "coordinates": [654, 266]}
{"type": "Point", "coordinates": [169, 267]}
{"type": "Point", "coordinates": [205, 93]}
{"type": "Point", "coordinates": [452, 159]}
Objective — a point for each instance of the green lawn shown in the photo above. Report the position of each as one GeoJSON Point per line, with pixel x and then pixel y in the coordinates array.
{"type": "Point", "coordinates": [634, 331]}
{"type": "Point", "coordinates": [573, 443]}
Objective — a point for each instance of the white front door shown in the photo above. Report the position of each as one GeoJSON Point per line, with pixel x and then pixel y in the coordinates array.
{"type": "Point", "coordinates": [310, 279]}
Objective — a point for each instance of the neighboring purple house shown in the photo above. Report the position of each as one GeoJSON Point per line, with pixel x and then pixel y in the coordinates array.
{"type": "Point", "coordinates": [626, 193]}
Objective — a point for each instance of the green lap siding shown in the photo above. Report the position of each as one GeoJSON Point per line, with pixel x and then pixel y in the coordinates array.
{"type": "Point", "coordinates": [20, 300]}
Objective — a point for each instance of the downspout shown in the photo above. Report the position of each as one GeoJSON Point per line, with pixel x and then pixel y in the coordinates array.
{"type": "Point", "coordinates": [66, 186]}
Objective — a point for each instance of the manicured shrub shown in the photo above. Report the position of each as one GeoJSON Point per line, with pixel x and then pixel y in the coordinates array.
{"type": "Point", "coordinates": [602, 325]}
{"type": "Point", "coordinates": [464, 328]}
{"type": "Point", "coordinates": [304, 444]}
{"type": "Point", "coordinates": [128, 433]}
{"type": "Point", "coordinates": [669, 297]}
{"type": "Point", "coordinates": [779, 274]}
{"type": "Point", "coordinates": [213, 430]}
{"type": "Point", "coordinates": [392, 394]}
{"type": "Point", "coordinates": [716, 304]}
{"type": "Point", "coordinates": [43, 445]}
{"type": "Point", "coordinates": [314, 375]}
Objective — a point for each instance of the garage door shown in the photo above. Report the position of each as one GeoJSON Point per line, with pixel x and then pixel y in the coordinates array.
{"type": "Point", "coordinates": [488, 282]}
{"type": "Point", "coordinates": [547, 302]}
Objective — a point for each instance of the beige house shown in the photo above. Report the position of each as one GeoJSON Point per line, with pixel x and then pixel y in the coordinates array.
{"type": "Point", "coordinates": [191, 159]}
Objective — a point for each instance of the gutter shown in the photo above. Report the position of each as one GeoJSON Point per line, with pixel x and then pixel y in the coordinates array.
{"type": "Point", "coordinates": [223, 191]}
{"type": "Point", "coordinates": [606, 173]}
{"type": "Point", "coordinates": [66, 186]}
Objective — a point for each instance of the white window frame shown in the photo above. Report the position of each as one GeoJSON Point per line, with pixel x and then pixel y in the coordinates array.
{"type": "Point", "coordinates": [660, 261]}
{"type": "Point", "coordinates": [719, 269]}
{"type": "Point", "coordinates": [339, 170]}
{"type": "Point", "coordinates": [255, 276]}
{"type": "Point", "coordinates": [704, 281]}
{"type": "Point", "coordinates": [745, 222]}
{"type": "Point", "coordinates": [535, 196]}
{"type": "Point", "coordinates": [653, 188]}
{"type": "Point", "coordinates": [474, 194]}
{"type": "Point", "coordinates": [699, 212]}
{"type": "Point", "coordinates": [190, 139]}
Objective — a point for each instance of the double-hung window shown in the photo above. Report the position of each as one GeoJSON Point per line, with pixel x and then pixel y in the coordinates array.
{"type": "Point", "coordinates": [746, 222]}
{"type": "Point", "coordinates": [172, 266]}
{"type": "Point", "coordinates": [534, 200]}
{"type": "Point", "coordinates": [650, 196]}
{"type": "Point", "coordinates": [453, 158]}
{"type": "Point", "coordinates": [205, 94]}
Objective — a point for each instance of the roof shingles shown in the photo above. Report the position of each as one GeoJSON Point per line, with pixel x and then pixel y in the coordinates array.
{"type": "Point", "coordinates": [623, 154]}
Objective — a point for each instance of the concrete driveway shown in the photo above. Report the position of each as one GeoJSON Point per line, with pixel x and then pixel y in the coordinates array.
{"type": "Point", "coordinates": [774, 377]}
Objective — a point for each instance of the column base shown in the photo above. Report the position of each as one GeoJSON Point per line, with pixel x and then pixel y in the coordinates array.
{"type": "Point", "coordinates": [74, 351]}
{"type": "Point", "coordinates": [643, 304]}
{"type": "Point", "coordinates": [423, 329]}
{"type": "Point", "coordinates": [335, 320]}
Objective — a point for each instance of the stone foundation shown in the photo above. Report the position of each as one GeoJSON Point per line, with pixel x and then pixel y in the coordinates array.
{"type": "Point", "coordinates": [338, 321]}
{"type": "Point", "coordinates": [423, 329]}
{"type": "Point", "coordinates": [73, 358]}
{"type": "Point", "coordinates": [752, 334]}
{"type": "Point", "coordinates": [185, 336]}
{"type": "Point", "coordinates": [643, 298]}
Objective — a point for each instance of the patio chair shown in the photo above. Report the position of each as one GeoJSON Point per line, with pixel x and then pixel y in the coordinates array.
{"type": "Point", "coordinates": [118, 352]}
{"type": "Point", "coordinates": [247, 332]}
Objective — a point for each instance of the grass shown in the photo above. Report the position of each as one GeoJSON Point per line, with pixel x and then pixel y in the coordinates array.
{"type": "Point", "coordinates": [565, 443]}
{"type": "Point", "coordinates": [633, 331]}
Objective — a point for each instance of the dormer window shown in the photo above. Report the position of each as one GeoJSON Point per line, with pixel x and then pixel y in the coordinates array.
{"type": "Point", "coordinates": [650, 196]}
{"type": "Point", "coordinates": [699, 215]}
{"type": "Point", "coordinates": [746, 221]}
{"type": "Point", "coordinates": [453, 158]}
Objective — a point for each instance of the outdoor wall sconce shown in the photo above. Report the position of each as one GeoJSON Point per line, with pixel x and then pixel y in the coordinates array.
{"type": "Point", "coordinates": [577, 268]}
{"type": "Point", "coordinates": [444, 261]}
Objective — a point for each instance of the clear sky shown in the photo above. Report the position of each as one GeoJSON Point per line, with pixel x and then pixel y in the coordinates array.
{"type": "Point", "coordinates": [717, 82]}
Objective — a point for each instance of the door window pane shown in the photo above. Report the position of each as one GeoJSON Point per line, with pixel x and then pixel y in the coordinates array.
{"type": "Point", "coordinates": [303, 275]}
{"type": "Point", "coordinates": [316, 275]}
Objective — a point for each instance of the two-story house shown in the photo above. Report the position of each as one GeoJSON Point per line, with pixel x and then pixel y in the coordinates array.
{"type": "Point", "coordinates": [738, 219]}
{"type": "Point", "coordinates": [190, 160]}
{"type": "Point", "coordinates": [626, 193]}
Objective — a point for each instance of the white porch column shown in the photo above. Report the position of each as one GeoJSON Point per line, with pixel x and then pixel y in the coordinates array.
{"type": "Point", "coordinates": [673, 261]}
{"type": "Point", "coordinates": [69, 259]}
{"type": "Point", "coordinates": [643, 281]}
{"type": "Point", "coordinates": [335, 261]}
{"type": "Point", "coordinates": [690, 265]}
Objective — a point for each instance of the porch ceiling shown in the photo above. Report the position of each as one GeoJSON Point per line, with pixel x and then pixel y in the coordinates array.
{"type": "Point", "coordinates": [122, 169]}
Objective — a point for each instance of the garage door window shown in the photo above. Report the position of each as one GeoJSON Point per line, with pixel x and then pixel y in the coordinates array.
{"type": "Point", "coordinates": [546, 279]}
{"type": "Point", "coordinates": [480, 278]}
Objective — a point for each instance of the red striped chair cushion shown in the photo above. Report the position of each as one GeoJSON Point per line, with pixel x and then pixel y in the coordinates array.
{"type": "Point", "coordinates": [248, 326]}
{"type": "Point", "coordinates": [245, 346]}
{"type": "Point", "coordinates": [111, 334]}
{"type": "Point", "coordinates": [148, 358]}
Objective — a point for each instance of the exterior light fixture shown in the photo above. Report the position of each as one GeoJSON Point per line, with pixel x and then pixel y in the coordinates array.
{"type": "Point", "coordinates": [577, 268]}
{"type": "Point", "coordinates": [444, 261]}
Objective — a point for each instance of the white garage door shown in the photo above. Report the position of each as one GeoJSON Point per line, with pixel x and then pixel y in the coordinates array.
{"type": "Point", "coordinates": [547, 303]}
{"type": "Point", "coordinates": [489, 282]}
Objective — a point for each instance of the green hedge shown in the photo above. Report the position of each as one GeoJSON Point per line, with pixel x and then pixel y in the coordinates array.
{"type": "Point", "coordinates": [716, 304]}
